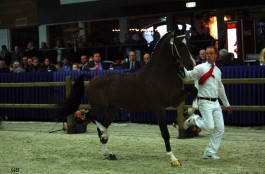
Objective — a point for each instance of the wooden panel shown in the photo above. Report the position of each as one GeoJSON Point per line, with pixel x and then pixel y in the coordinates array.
{"type": "Point", "coordinates": [12, 10]}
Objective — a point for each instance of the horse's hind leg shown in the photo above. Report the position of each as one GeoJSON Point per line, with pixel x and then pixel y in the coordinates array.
{"type": "Point", "coordinates": [161, 118]}
{"type": "Point", "coordinates": [109, 114]}
{"type": "Point", "coordinates": [194, 106]}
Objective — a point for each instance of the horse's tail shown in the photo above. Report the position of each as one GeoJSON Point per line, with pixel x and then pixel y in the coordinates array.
{"type": "Point", "coordinates": [71, 104]}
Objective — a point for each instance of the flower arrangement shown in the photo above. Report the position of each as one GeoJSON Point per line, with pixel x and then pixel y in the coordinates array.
{"type": "Point", "coordinates": [81, 115]}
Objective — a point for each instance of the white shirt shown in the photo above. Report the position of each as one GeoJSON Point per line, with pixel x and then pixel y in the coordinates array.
{"type": "Point", "coordinates": [213, 87]}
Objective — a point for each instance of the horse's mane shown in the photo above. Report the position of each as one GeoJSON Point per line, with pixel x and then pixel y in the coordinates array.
{"type": "Point", "coordinates": [160, 41]}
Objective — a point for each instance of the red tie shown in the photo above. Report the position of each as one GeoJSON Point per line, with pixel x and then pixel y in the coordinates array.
{"type": "Point", "coordinates": [205, 76]}
{"type": "Point", "coordinates": [97, 66]}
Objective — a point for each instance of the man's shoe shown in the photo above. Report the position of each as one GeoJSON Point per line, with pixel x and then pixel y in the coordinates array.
{"type": "Point", "coordinates": [213, 157]}
{"type": "Point", "coordinates": [188, 123]}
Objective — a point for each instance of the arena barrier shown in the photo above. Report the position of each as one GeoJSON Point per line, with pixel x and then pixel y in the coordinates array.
{"type": "Point", "coordinates": [19, 91]}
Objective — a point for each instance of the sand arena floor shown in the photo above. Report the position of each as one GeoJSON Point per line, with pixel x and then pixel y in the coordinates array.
{"type": "Point", "coordinates": [29, 148]}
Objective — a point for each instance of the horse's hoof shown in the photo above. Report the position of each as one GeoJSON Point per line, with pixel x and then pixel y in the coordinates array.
{"type": "Point", "coordinates": [175, 163]}
{"type": "Point", "coordinates": [109, 157]}
{"type": "Point", "coordinates": [112, 157]}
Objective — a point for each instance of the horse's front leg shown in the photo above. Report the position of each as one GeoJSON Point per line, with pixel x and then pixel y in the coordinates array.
{"type": "Point", "coordinates": [161, 118]}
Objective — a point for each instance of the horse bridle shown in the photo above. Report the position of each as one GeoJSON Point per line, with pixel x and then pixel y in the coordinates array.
{"type": "Point", "coordinates": [180, 70]}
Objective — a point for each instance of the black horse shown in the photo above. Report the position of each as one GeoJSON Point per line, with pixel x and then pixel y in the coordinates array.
{"type": "Point", "coordinates": [154, 87]}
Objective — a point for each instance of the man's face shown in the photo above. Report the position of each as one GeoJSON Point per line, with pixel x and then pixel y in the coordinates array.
{"type": "Point", "coordinates": [35, 62]}
{"type": "Point", "coordinates": [97, 57]}
{"type": "Point", "coordinates": [211, 55]}
{"type": "Point", "coordinates": [202, 55]}
{"type": "Point", "coordinates": [131, 56]}
{"type": "Point", "coordinates": [83, 59]}
{"type": "Point", "coordinates": [146, 58]}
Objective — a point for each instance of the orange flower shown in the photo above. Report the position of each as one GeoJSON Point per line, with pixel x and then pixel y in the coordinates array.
{"type": "Point", "coordinates": [78, 114]}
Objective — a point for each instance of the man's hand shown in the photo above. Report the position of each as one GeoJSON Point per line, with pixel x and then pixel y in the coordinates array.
{"type": "Point", "coordinates": [229, 109]}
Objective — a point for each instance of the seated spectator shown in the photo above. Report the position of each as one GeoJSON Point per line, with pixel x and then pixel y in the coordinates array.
{"type": "Point", "coordinates": [146, 59]}
{"type": "Point", "coordinates": [3, 67]}
{"type": "Point", "coordinates": [24, 62]}
{"type": "Point", "coordinates": [84, 62]}
{"type": "Point", "coordinates": [16, 68]}
{"type": "Point", "coordinates": [132, 63]}
{"type": "Point", "coordinates": [30, 64]}
{"type": "Point", "coordinates": [66, 65]}
{"type": "Point", "coordinates": [75, 67]}
{"type": "Point", "coordinates": [48, 66]}
{"type": "Point", "coordinates": [96, 64]}
{"type": "Point", "coordinates": [36, 65]}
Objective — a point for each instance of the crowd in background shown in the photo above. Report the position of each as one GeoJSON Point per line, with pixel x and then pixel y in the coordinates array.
{"type": "Point", "coordinates": [68, 56]}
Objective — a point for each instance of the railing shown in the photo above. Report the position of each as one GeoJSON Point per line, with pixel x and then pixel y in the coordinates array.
{"type": "Point", "coordinates": [180, 109]}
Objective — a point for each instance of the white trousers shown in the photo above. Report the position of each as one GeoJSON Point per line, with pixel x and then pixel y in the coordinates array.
{"type": "Point", "coordinates": [212, 121]}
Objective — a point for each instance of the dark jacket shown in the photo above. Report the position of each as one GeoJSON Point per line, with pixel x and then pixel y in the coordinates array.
{"type": "Point", "coordinates": [126, 65]}
{"type": "Point", "coordinates": [92, 64]}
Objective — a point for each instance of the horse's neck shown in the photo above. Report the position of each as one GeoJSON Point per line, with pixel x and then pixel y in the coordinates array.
{"type": "Point", "coordinates": [162, 64]}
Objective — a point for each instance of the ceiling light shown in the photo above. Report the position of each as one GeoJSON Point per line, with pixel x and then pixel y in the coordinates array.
{"type": "Point", "coordinates": [190, 4]}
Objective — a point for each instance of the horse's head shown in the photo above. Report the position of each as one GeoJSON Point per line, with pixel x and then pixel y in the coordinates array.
{"type": "Point", "coordinates": [180, 48]}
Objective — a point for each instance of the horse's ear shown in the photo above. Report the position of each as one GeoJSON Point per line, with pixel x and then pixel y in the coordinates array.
{"type": "Point", "coordinates": [180, 29]}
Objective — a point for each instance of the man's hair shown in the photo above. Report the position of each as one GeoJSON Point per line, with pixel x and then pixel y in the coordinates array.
{"type": "Point", "coordinates": [213, 47]}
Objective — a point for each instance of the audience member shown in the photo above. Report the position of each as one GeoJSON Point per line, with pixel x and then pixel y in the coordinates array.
{"type": "Point", "coordinates": [127, 45]}
{"type": "Point", "coordinates": [5, 54]}
{"type": "Point", "coordinates": [3, 51]}
{"type": "Point", "coordinates": [96, 64]}
{"type": "Point", "coordinates": [84, 62]}
{"type": "Point", "coordinates": [202, 57]}
{"type": "Point", "coordinates": [115, 49]}
{"type": "Point", "coordinates": [146, 59]}
{"type": "Point", "coordinates": [156, 38]}
{"type": "Point", "coordinates": [3, 67]}
{"type": "Point", "coordinates": [233, 60]}
{"type": "Point", "coordinates": [59, 48]}
{"type": "Point", "coordinates": [75, 67]}
{"type": "Point", "coordinates": [31, 50]}
{"type": "Point", "coordinates": [132, 63]}
{"type": "Point", "coordinates": [66, 65]}
{"type": "Point", "coordinates": [36, 67]}
{"type": "Point", "coordinates": [30, 64]}
{"type": "Point", "coordinates": [16, 54]}
{"type": "Point", "coordinates": [140, 45]}
{"type": "Point", "coordinates": [48, 66]}
{"type": "Point", "coordinates": [223, 59]}
{"type": "Point", "coordinates": [24, 62]}
{"type": "Point", "coordinates": [16, 68]}
{"type": "Point", "coordinates": [69, 50]}
{"type": "Point", "coordinates": [195, 40]}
